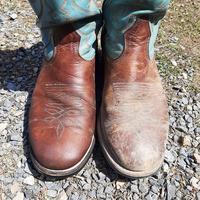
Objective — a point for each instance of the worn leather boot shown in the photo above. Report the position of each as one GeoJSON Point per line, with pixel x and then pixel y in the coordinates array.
{"type": "Point", "coordinates": [62, 113]}
{"type": "Point", "coordinates": [133, 121]}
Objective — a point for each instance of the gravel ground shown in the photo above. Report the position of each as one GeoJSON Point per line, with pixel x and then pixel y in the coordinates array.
{"type": "Point", "coordinates": [21, 53]}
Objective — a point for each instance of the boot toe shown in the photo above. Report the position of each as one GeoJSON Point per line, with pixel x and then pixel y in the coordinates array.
{"type": "Point", "coordinates": [136, 152]}
{"type": "Point", "coordinates": [60, 155]}
{"type": "Point", "coordinates": [141, 157]}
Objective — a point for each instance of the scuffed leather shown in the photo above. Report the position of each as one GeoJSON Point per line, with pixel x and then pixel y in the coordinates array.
{"type": "Point", "coordinates": [62, 114]}
{"type": "Point", "coordinates": [134, 116]}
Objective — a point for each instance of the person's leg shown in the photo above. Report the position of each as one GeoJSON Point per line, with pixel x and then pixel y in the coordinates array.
{"type": "Point", "coordinates": [133, 121]}
{"type": "Point", "coordinates": [62, 114]}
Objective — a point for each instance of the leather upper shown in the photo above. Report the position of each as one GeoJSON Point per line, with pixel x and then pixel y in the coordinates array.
{"type": "Point", "coordinates": [134, 117]}
{"type": "Point", "coordinates": [62, 114]}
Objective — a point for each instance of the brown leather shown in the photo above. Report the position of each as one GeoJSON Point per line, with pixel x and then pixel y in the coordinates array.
{"type": "Point", "coordinates": [134, 116]}
{"type": "Point", "coordinates": [62, 114]}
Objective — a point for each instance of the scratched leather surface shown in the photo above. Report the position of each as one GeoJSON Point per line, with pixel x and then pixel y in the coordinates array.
{"type": "Point", "coordinates": [53, 13]}
{"type": "Point", "coordinates": [62, 114]}
{"type": "Point", "coordinates": [134, 116]}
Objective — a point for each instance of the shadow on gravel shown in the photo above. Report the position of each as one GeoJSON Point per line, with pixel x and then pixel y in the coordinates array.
{"type": "Point", "coordinates": [19, 71]}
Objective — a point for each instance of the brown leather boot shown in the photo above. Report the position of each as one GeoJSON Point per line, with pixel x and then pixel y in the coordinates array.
{"type": "Point", "coordinates": [62, 115]}
{"type": "Point", "coordinates": [133, 121]}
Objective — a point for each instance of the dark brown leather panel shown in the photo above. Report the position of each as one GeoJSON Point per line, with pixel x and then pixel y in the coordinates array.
{"type": "Point", "coordinates": [62, 115]}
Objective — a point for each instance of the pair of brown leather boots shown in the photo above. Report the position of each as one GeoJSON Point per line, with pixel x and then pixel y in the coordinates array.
{"type": "Point", "coordinates": [133, 122]}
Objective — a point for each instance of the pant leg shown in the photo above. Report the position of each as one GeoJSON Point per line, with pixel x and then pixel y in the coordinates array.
{"type": "Point", "coordinates": [120, 15]}
{"type": "Point", "coordinates": [84, 16]}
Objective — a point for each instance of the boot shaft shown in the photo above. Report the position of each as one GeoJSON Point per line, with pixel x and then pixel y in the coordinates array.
{"type": "Point", "coordinates": [84, 16]}
{"type": "Point", "coordinates": [120, 16]}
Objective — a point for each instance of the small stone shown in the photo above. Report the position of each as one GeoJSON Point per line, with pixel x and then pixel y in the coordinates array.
{"type": "Point", "coordinates": [35, 70]}
{"type": "Point", "coordinates": [186, 141]}
{"type": "Point", "coordinates": [179, 194]}
{"type": "Point", "coordinates": [19, 164]}
{"type": "Point", "coordinates": [28, 194]}
{"type": "Point", "coordinates": [86, 174]}
{"type": "Point", "coordinates": [161, 181]}
{"type": "Point", "coordinates": [11, 86]}
{"type": "Point", "coordinates": [197, 130]}
{"type": "Point", "coordinates": [172, 120]}
{"type": "Point", "coordinates": [74, 197]}
{"type": "Point", "coordinates": [198, 195]}
{"type": "Point", "coordinates": [19, 113]}
{"type": "Point", "coordinates": [143, 188]}
{"type": "Point", "coordinates": [108, 189]}
{"type": "Point", "coordinates": [94, 176]}
{"type": "Point", "coordinates": [176, 138]}
{"type": "Point", "coordinates": [182, 163]}
{"type": "Point", "coordinates": [16, 137]}
{"type": "Point", "coordinates": [19, 196]}
{"type": "Point", "coordinates": [182, 152]}
{"type": "Point", "coordinates": [194, 182]}
{"type": "Point", "coordinates": [101, 196]}
{"type": "Point", "coordinates": [184, 75]}
{"type": "Point", "coordinates": [135, 197]}
{"type": "Point", "coordinates": [197, 158]}
{"type": "Point", "coordinates": [65, 185]}
{"type": "Point", "coordinates": [165, 167]}
{"type": "Point", "coordinates": [184, 100]}
{"type": "Point", "coordinates": [195, 108]}
{"type": "Point", "coordinates": [195, 143]}
{"type": "Point", "coordinates": [189, 108]}
{"type": "Point", "coordinates": [100, 190]}
{"type": "Point", "coordinates": [92, 194]}
{"type": "Point", "coordinates": [170, 192]}
{"type": "Point", "coordinates": [134, 188]}
{"type": "Point", "coordinates": [148, 197]}
{"type": "Point", "coordinates": [29, 180]}
{"type": "Point", "coordinates": [154, 189]}
{"type": "Point", "coordinates": [3, 126]}
{"type": "Point", "coordinates": [183, 90]}
{"type": "Point", "coordinates": [69, 190]}
{"type": "Point", "coordinates": [8, 180]}
{"type": "Point", "coordinates": [51, 193]}
{"type": "Point", "coordinates": [153, 182]}
{"type": "Point", "coordinates": [182, 129]}
{"type": "Point", "coordinates": [82, 197]}
{"type": "Point", "coordinates": [13, 16]}
{"type": "Point", "coordinates": [173, 62]}
{"type": "Point", "coordinates": [189, 188]}
{"type": "Point", "coordinates": [14, 188]}
{"type": "Point", "coordinates": [102, 176]}
{"type": "Point", "coordinates": [169, 157]}
{"type": "Point", "coordinates": [176, 87]}
{"type": "Point", "coordinates": [120, 183]}
{"type": "Point", "coordinates": [87, 186]}
{"type": "Point", "coordinates": [7, 103]}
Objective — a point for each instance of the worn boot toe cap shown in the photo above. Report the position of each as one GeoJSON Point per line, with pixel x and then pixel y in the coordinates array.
{"type": "Point", "coordinates": [61, 154]}
{"type": "Point", "coordinates": [139, 157]}
{"type": "Point", "coordinates": [136, 150]}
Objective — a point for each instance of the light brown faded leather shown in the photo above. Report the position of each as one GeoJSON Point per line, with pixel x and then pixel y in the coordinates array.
{"type": "Point", "coordinates": [62, 114]}
{"type": "Point", "coordinates": [134, 116]}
